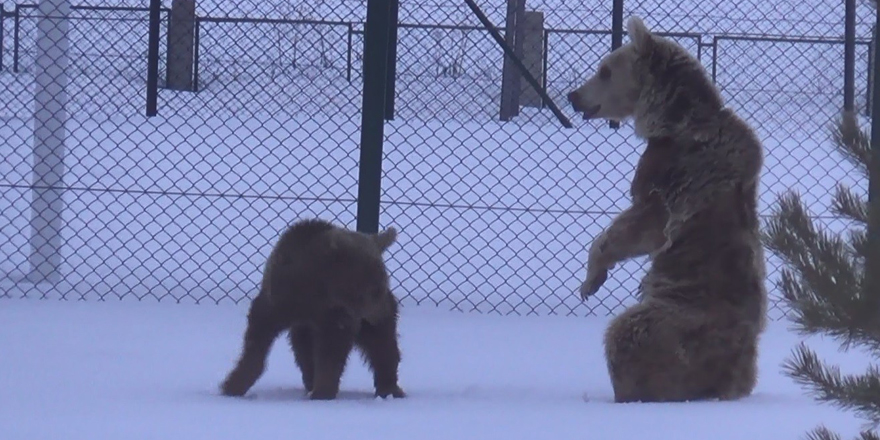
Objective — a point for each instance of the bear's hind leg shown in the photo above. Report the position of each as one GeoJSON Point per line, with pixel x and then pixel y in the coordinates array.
{"type": "Point", "coordinates": [645, 360]}
{"type": "Point", "coordinates": [263, 328]}
{"type": "Point", "coordinates": [378, 343]}
{"type": "Point", "coordinates": [334, 338]}
{"type": "Point", "coordinates": [744, 378]}
{"type": "Point", "coordinates": [731, 363]}
{"type": "Point", "coordinates": [302, 343]}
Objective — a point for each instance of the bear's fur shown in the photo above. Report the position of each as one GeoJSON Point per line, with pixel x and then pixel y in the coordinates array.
{"type": "Point", "coordinates": [702, 307]}
{"type": "Point", "coordinates": [328, 287]}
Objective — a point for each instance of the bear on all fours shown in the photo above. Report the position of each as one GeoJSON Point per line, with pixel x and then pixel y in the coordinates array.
{"type": "Point", "coordinates": [694, 333]}
{"type": "Point", "coordinates": [328, 287]}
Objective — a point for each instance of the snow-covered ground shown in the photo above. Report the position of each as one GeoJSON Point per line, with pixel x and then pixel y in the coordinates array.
{"type": "Point", "coordinates": [114, 370]}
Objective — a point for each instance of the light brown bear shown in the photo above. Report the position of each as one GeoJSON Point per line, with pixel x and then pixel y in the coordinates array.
{"type": "Point", "coordinates": [694, 333]}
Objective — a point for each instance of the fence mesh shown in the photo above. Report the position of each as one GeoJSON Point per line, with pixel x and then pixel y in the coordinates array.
{"type": "Point", "coordinates": [258, 111]}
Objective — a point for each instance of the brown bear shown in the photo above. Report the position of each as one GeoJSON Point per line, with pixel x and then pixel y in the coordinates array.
{"type": "Point", "coordinates": [702, 306]}
{"type": "Point", "coordinates": [329, 287]}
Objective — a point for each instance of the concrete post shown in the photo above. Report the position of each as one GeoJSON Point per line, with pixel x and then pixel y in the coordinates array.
{"type": "Point", "coordinates": [50, 116]}
{"type": "Point", "coordinates": [181, 47]}
{"type": "Point", "coordinates": [510, 83]}
{"type": "Point", "coordinates": [533, 48]}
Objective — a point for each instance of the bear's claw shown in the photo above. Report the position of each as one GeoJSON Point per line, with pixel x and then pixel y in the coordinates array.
{"type": "Point", "coordinates": [592, 284]}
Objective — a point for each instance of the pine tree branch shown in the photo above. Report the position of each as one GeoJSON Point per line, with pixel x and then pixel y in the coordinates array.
{"type": "Point", "coordinates": [855, 145]}
{"type": "Point", "coordinates": [823, 284]}
{"type": "Point", "coordinates": [823, 263]}
{"type": "Point", "coordinates": [822, 433]}
{"type": "Point", "coordinates": [868, 435]}
{"type": "Point", "coordinates": [823, 281]}
{"type": "Point", "coordinates": [813, 314]}
{"type": "Point", "coordinates": [849, 205]}
{"type": "Point", "coordinates": [859, 393]}
{"type": "Point", "coordinates": [839, 319]}
{"type": "Point", "coordinates": [852, 142]}
{"type": "Point", "coordinates": [858, 240]}
{"type": "Point", "coordinates": [791, 234]}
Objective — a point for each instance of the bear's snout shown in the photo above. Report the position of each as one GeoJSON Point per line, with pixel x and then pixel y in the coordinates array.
{"type": "Point", "coordinates": [578, 105]}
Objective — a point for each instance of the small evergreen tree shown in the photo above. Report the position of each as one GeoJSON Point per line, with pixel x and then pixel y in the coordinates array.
{"type": "Point", "coordinates": [823, 284]}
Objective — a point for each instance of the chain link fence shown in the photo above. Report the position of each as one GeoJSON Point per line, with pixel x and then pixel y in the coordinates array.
{"type": "Point", "coordinates": [155, 150]}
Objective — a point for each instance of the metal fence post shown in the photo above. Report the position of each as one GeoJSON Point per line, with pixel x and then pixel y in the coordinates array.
{"type": "Point", "coordinates": [349, 48]}
{"type": "Point", "coordinates": [153, 59]}
{"type": "Point", "coordinates": [391, 73]}
{"type": "Point", "coordinates": [616, 36]}
{"type": "Point", "coordinates": [197, 30]}
{"type": "Point", "coordinates": [715, 60]}
{"type": "Point", "coordinates": [545, 60]}
{"type": "Point", "coordinates": [849, 56]}
{"type": "Point", "coordinates": [50, 116]}
{"type": "Point", "coordinates": [376, 36]}
{"type": "Point", "coordinates": [2, 18]}
{"type": "Point", "coordinates": [869, 93]}
{"type": "Point", "coordinates": [16, 29]}
{"type": "Point", "coordinates": [872, 265]}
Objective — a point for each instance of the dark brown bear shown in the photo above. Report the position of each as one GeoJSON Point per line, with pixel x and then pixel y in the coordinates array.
{"type": "Point", "coordinates": [328, 287]}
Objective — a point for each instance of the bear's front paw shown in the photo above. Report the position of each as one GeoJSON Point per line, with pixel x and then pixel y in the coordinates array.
{"type": "Point", "coordinates": [395, 392]}
{"type": "Point", "coordinates": [233, 388]}
{"type": "Point", "coordinates": [323, 395]}
{"type": "Point", "coordinates": [595, 280]}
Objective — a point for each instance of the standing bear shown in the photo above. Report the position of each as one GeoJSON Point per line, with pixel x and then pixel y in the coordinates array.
{"type": "Point", "coordinates": [694, 333]}
{"type": "Point", "coordinates": [328, 287]}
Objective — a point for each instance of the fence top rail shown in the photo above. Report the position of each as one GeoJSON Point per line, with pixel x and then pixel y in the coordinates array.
{"type": "Point", "coordinates": [453, 27]}
{"type": "Point", "coordinates": [805, 40]}
{"type": "Point", "coordinates": [96, 8]}
{"type": "Point", "coordinates": [207, 19]}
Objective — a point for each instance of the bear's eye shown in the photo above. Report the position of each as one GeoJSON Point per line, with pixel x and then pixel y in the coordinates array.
{"type": "Point", "coordinates": [604, 73]}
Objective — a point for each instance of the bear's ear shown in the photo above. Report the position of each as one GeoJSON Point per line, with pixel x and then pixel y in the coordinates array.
{"type": "Point", "coordinates": [639, 33]}
{"type": "Point", "coordinates": [385, 238]}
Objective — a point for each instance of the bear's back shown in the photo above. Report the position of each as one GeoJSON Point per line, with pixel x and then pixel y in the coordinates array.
{"type": "Point", "coordinates": [328, 267]}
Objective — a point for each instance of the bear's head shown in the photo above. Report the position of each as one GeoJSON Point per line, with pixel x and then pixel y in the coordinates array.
{"type": "Point", "coordinates": [651, 79]}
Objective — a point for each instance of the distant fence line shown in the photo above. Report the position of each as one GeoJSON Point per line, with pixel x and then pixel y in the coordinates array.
{"type": "Point", "coordinates": [354, 29]}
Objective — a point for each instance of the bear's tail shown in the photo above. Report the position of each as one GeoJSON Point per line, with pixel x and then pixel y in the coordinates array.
{"type": "Point", "coordinates": [385, 238]}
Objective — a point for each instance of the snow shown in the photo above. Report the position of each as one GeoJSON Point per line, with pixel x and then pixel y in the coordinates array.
{"type": "Point", "coordinates": [101, 370]}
